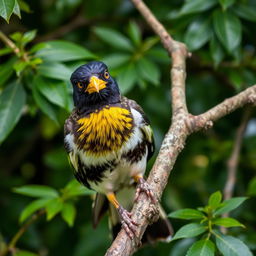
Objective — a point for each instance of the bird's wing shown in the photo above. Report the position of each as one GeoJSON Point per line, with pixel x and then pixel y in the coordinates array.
{"type": "Point", "coordinates": [68, 140]}
{"type": "Point", "coordinates": [145, 125]}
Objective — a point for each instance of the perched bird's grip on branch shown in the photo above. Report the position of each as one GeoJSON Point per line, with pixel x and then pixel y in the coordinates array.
{"type": "Point", "coordinates": [183, 124]}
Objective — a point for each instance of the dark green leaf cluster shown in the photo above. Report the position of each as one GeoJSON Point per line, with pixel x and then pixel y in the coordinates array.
{"type": "Point", "coordinates": [52, 201]}
{"type": "Point", "coordinates": [207, 220]}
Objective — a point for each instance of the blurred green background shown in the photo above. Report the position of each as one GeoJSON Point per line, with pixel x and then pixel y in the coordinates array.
{"type": "Point", "coordinates": [35, 100]}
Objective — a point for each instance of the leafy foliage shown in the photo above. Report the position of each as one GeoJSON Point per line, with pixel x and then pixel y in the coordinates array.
{"type": "Point", "coordinates": [42, 43]}
{"type": "Point", "coordinates": [209, 217]}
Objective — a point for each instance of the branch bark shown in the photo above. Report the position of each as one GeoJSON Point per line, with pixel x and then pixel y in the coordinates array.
{"type": "Point", "coordinates": [183, 124]}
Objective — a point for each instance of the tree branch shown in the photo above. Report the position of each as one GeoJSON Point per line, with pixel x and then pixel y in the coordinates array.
{"type": "Point", "coordinates": [183, 124]}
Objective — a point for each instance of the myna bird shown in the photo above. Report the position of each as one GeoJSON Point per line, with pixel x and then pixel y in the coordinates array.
{"type": "Point", "coordinates": [109, 141]}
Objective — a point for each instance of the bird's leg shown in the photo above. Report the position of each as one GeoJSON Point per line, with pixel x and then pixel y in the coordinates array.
{"type": "Point", "coordinates": [127, 223]}
{"type": "Point", "coordinates": [143, 186]}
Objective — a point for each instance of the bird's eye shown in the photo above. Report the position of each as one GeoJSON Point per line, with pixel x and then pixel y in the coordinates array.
{"type": "Point", "coordinates": [106, 74]}
{"type": "Point", "coordinates": [79, 85]}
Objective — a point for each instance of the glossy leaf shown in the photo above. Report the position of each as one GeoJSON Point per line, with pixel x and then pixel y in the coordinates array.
{"type": "Point", "coordinates": [63, 51]}
{"type": "Point", "coordinates": [231, 246]}
{"type": "Point", "coordinates": [202, 248]}
{"type": "Point", "coordinates": [46, 107]}
{"type": "Point", "coordinates": [12, 101]}
{"type": "Point", "coordinates": [126, 78]}
{"type": "Point", "coordinates": [228, 29]}
{"type": "Point", "coordinates": [227, 222]}
{"type": "Point", "coordinates": [55, 70]}
{"type": "Point", "coordinates": [215, 199]}
{"type": "Point", "coordinates": [134, 33]}
{"type": "Point", "coordinates": [190, 230]}
{"type": "Point", "coordinates": [187, 214]}
{"type": "Point", "coordinates": [116, 60]}
{"type": "Point", "coordinates": [33, 207]}
{"type": "Point", "coordinates": [148, 71]}
{"type": "Point", "coordinates": [68, 213]}
{"type": "Point", "coordinates": [36, 191]}
{"type": "Point", "coordinates": [16, 9]}
{"type": "Point", "coordinates": [55, 92]}
{"type": "Point", "coordinates": [53, 207]}
{"type": "Point", "coordinates": [226, 3]}
{"type": "Point", "coordinates": [196, 6]}
{"type": "Point", "coordinates": [28, 37]}
{"type": "Point", "coordinates": [74, 188]}
{"type": "Point", "coordinates": [229, 205]}
{"type": "Point", "coordinates": [6, 70]}
{"type": "Point", "coordinates": [217, 52]}
{"type": "Point", "coordinates": [6, 8]}
{"type": "Point", "coordinates": [245, 11]}
{"type": "Point", "coordinates": [114, 38]}
{"type": "Point", "coordinates": [198, 33]}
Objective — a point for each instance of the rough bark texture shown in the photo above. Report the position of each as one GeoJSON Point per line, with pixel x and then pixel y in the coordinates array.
{"type": "Point", "coordinates": [183, 124]}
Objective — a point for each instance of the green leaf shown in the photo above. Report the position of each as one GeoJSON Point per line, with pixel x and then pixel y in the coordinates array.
{"type": "Point", "coordinates": [245, 11]}
{"type": "Point", "coordinates": [126, 78]}
{"type": "Point", "coordinates": [228, 29]}
{"type": "Point", "coordinates": [190, 230]}
{"type": "Point", "coordinates": [252, 187]}
{"type": "Point", "coordinates": [68, 213]}
{"type": "Point", "coordinates": [114, 38]}
{"type": "Point", "coordinates": [5, 51]}
{"type": "Point", "coordinates": [12, 101]}
{"type": "Point", "coordinates": [229, 205]}
{"type": "Point", "coordinates": [28, 37]}
{"type": "Point", "coordinates": [74, 188]}
{"type": "Point", "coordinates": [55, 70]}
{"type": "Point", "coordinates": [6, 9]}
{"type": "Point", "coordinates": [116, 60]}
{"type": "Point", "coordinates": [196, 6]}
{"type": "Point", "coordinates": [56, 92]}
{"type": "Point", "coordinates": [46, 107]}
{"type": "Point", "coordinates": [216, 50]}
{"type": "Point", "coordinates": [231, 246]}
{"type": "Point", "coordinates": [134, 33]}
{"type": "Point", "coordinates": [227, 222]}
{"type": "Point", "coordinates": [58, 50]}
{"type": "Point", "coordinates": [198, 33]}
{"type": "Point", "coordinates": [19, 66]}
{"type": "Point", "coordinates": [16, 9]}
{"type": "Point", "coordinates": [6, 70]}
{"type": "Point", "coordinates": [226, 3]}
{"type": "Point", "coordinates": [33, 207]}
{"type": "Point", "coordinates": [37, 191]}
{"type": "Point", "coordinates": [215, 200]}
{"type": "Point", "coordinates": [148, 70]}
{"type": "Point", "coordinates": [187, 214]}
{"type": "Point", "coordinates": [23, 253]}
{"type": "Point", "coordinates": [202, 248]}
{"type": "Point", "coordinates": [53, 207]}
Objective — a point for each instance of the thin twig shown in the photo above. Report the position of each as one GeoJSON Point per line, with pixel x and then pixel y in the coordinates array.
{"type": "Point", "coordinates": [233, 161]}
{"type": "Point", "coordinates": [11, 246]}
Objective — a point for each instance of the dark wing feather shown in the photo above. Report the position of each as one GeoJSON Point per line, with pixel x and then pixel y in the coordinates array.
{"type": "Point", "coordinates": [146, 128]}
{"type": "Point", "coordinates": [99, 208]}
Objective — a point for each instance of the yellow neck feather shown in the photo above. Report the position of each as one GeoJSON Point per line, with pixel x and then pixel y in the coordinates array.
{"type": "Point", "coordinates": [104, 130]}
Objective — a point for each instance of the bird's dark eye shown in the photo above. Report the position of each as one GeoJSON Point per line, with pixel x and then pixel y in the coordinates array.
{"type": "Point", "coordinates": [79, 85]}
{"type": "Point", "coordinates": [106, 74]}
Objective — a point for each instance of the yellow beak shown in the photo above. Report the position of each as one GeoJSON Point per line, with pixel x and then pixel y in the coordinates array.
{"type": "Point", "coordinates": [95, 85]}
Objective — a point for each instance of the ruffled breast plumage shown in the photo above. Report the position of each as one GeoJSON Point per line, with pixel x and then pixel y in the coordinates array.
{"type": "Point", "coordinates": [104, 130]}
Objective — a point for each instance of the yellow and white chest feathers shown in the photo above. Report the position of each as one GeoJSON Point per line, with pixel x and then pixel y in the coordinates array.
{"type": "Point", "coordinates": [104, 131]}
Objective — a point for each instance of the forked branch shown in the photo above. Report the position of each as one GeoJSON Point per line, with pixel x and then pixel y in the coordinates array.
{"type": "Point", "coordinates": [183, 124]}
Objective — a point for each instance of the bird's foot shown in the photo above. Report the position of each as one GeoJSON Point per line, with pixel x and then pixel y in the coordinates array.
{"type": "Point", "coordinates": [127, 223]}
{"type": "Point", "coordinates": [143, 186]}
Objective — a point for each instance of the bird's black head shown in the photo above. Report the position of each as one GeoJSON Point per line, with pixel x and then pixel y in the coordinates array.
{"type": "Point", "coordinates": [93, 86]}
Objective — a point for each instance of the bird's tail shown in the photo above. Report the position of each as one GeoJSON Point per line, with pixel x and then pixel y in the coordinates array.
{"type": "Point", "coordinates": [161, 230]}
